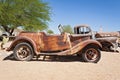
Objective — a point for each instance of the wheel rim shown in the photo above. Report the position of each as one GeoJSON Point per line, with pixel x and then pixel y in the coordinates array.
{"type": "Point", "coordinates": [23, 52]}
{"type": "Point", "coordinates": [91, 54]}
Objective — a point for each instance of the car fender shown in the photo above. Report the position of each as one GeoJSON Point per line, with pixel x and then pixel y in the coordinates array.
{"type": "Point", "coordinates": [90, 42]}
{"type": "Point", "coordinates": [21, 39]}
{"type": "Point", "coordinates": [106, 42]}
{"type": "Point", "coordinates": [109, 40]}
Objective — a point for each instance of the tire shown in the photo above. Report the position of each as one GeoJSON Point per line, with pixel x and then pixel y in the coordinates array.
{"type": "Point", "coordinates": [91, 54]}
{"type": "Point", "coordinates": [23, 52]}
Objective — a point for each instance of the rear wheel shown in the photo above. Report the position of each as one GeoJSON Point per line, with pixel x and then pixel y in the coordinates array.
{"type": "Point", "coordinates": [91, 54]}
{"type": "Point", "coordinates": [23, 52]}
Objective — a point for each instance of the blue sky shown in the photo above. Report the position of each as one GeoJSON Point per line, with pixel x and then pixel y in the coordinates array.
{"type": "Point", "coordinates": [96, 13]}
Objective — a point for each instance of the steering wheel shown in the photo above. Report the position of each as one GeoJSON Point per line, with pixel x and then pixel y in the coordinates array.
{"type": "Point", "coordinates": [60, 27]}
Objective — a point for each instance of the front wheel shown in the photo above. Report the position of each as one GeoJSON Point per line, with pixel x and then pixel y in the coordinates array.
{"type": "Point", "coordinates": [23, 52]}
{"type": "Point", "coordinates": [91, 54]}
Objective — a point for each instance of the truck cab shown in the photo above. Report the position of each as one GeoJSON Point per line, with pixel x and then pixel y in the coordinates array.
{"type": "Point", "coordinates": [108, 40]}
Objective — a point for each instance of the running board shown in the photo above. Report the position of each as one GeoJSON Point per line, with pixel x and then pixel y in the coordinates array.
{"type": "Point", "coordinates": [71, 51]}
{"type": "Point", "coordinates": [62, 53]}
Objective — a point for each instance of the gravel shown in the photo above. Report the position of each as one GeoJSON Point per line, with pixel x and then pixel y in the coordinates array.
{"type": "Point", "coordinates": [69, 68]}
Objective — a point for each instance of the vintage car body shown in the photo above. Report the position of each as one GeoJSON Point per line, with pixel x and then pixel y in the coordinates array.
{"type": "Point", "coordinates": [108, 40]}
{"type": "Point", "coordinates": [50, 43]}
{"type": "Point", "coordinates": [29, 44]}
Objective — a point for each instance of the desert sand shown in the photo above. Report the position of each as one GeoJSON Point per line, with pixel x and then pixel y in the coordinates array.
{"type": "Point", "coordinates": [65, 68]}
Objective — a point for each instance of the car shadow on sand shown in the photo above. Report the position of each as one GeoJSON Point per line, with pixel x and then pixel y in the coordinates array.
{"type": "Point", "coordinates": [50, 58]}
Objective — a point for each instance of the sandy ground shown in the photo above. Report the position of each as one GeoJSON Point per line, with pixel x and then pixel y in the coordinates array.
{"type": "Point", "coordinates": [65, 68]}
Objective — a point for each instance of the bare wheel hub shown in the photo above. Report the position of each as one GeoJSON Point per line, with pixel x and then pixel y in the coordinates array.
{"type": "Point", "coordinates": [23, 52]}
{"type": "Point", "coordinates": [91, 54]}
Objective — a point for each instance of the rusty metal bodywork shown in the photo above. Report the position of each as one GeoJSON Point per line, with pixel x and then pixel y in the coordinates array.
{"type": "Point", "coordinates": [54, 44]}
{"type": "Point", "coordinates": [28, 45]}
{"type": "Point", "coordinates": [108, 40]}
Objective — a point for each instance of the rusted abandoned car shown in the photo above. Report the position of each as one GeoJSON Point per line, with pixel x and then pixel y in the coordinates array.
{"type": "Point", "coordinates": [30, 44]}
{"type": "Point", "coordinates": [109, 40]}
